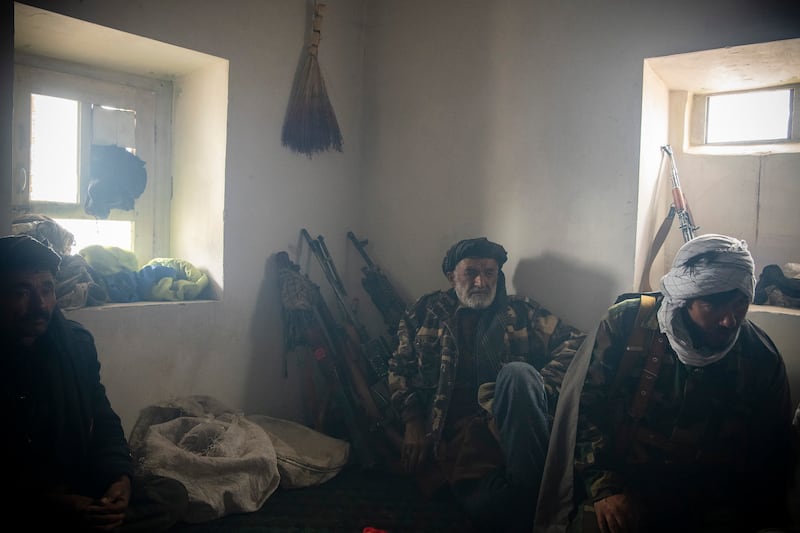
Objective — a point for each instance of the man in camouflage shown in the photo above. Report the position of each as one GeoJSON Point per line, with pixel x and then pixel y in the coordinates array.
{"type": "Point", "coordinates": [475, 379]}
{"type": "Point", "coordinates": [688, 430]}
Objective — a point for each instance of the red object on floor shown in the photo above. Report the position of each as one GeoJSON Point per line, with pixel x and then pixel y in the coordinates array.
{"type": "Point", "coordinates": [373, 530]}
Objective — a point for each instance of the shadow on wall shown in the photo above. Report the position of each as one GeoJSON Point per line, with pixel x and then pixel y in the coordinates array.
{"type": "Point", "coordinates": [575, 293]}
{"type": "Point", "coordinates": [273, 384]}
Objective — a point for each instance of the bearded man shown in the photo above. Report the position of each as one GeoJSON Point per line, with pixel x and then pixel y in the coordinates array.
{"type": "Point", "coordinates": [475, 379]}
{"type": "Point", "coordinates": [677, 408]}
{"type": "Point", "coordinates": [69, 466]}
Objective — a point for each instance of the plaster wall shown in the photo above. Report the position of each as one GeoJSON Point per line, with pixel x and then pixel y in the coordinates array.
{"type": "Point", "coordinates": [233, 349]}
{"type": "Point", "coordinates": [513, 119]}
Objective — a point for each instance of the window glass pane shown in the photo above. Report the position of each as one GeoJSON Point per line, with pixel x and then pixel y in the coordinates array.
{"type": "Point", "coordinates": [754, 116]}
{"type": "Point", "coordinates": [113, 126]}
{"type": "Point", "coordinates": [54, 149]}
{"type": "Point", "coordinates": [117, 233]}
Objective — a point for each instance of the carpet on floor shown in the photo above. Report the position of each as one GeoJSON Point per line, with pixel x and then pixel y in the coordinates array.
{"type": "Point", "coordinates": [350, 502]}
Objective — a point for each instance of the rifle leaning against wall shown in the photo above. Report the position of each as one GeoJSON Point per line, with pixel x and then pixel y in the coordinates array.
{"type": "Point", "coordinates": [379, 288]}
{"type": "Point", "coordinates": [307, 322]}
{"type": "Point", "coordinates": [679, 208]}
{"type": "Point", "coordinates": [367, 357]}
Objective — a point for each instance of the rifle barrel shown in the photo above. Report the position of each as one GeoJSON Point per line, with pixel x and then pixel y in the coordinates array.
{"type": "Point", "coordinates": [361, 247]}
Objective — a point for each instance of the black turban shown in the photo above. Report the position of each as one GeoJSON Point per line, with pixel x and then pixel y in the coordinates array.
{"type": "Point", "coordinates": [479, 247]}
{"type": "Point", "coordinates": [23, 252]}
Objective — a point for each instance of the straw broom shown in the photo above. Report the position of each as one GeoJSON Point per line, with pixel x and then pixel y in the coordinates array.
{"type": "Point", "coordinates": [310, 125]}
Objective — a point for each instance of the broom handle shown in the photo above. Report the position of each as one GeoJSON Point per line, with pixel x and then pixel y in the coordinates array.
{"type": "Point", "coordinates": [316, 27]}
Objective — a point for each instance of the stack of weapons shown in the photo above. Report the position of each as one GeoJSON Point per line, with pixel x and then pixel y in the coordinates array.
{"type": "Point", "coordinates": [352, 365]}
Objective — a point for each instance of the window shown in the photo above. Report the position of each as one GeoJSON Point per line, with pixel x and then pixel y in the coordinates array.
{"type": "Point", "coordinates": [59, 116]}
{"type": "Point", "coordinates": [731, 116]}
{"type": "Point", "coordinates": [180, 101]}
{"type": "Point", "coordinates": [754, 116]}
{"type": "Point", "coordinates": [765, 119]}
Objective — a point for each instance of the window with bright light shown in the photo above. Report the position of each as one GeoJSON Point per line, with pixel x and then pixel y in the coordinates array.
{"type": "Point", "coordinates": [54, 149]}
{"type": "Point", "coordinates": [64, 115]}
{"type": "Point", "coordinates": [744, 122]}
{"type": "Point", "coordinates": [749, 116]}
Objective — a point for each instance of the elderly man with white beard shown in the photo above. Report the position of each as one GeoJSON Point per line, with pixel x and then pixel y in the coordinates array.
{"type": "Point", "coordinates": [475, 379]}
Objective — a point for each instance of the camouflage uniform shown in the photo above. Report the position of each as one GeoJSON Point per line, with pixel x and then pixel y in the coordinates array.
{"type": "Point", "coordinates": [713, 440]}
{"type": "Point", "coordinates": [423, 368]}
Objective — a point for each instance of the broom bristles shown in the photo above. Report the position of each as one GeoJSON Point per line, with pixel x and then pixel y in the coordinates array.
{"type": "Point", "coordinates": [310, 125]}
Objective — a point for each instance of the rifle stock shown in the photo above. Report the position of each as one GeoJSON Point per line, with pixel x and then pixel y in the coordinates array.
{"type": "Point", "coordinates": [365, 356]}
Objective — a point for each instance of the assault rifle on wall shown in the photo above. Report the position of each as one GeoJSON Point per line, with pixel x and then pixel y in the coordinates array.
{"type": "Point", "coordinates": [367, 357]}
{"type": "Point", "coordinates": [679, 205]}
{"type": "Point", "coordinates": [679, 208]}
{"type": "Point", "coordinates": [379, 288]}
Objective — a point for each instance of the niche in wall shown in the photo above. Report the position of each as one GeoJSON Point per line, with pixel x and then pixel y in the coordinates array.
{"type": "Point", "coordinates": [195, 158]}
{"type": "Point", "coordinates": [746, 192]}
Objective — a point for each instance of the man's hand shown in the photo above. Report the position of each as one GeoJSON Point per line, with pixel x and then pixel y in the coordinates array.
{"type": "Point", "coordinates": [618, 513]}
{"type": "Point", "coordinates": [415, 446]}
{"type": "Point", "coordinates": [108, 512]}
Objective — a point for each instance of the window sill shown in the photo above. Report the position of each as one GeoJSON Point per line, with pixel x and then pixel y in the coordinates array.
{"type": "Point", "coordinates": [137, 305]}
{"type": "Point", "coordinates": [743, 149]}
{"type": "Point", "coordinates": [775, 310]}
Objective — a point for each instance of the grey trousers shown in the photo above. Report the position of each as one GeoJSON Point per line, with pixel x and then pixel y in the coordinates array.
{"type": "Point", "coordinates": [505, 500]}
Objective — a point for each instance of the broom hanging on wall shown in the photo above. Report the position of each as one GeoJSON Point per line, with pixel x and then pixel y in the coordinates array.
{"type": "Point", "coordinates": [310, 125]}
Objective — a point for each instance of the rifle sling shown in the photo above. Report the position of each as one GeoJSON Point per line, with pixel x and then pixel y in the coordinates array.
{"type": "Point", "coordinates": [640, 340]}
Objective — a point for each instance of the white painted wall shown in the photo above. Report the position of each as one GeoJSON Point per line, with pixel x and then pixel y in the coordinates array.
{"type": "Point", "coordinates": [521, 121]}
{"type": "Point", "coordinates": [233, 349]}
{"type": "Point", "coordinates": [514, 119]}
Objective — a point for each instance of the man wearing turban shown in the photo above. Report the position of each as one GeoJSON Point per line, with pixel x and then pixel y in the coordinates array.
{"type": "Point", "coordinates": [677, 408]}
{"type": "Point", "coordinates": [475, 379]}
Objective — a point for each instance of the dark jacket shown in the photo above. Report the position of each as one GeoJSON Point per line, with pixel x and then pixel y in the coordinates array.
{"type": "Point", "coordinates": [714, 437]}
{"type": "Point", "coordinates": [62, 432]}
{"type": "Point", "coordinates": [422, 371]}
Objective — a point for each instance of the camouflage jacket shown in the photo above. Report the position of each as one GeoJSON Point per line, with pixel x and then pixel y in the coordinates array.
{"type": "Point", "coordinates": [422, 369]}
{"type": "Point", "coordinates": [715, 432]}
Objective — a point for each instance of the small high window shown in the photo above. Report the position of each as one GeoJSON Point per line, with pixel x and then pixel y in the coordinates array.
{"type": "Point", "coordinates": [764, 120]}
{"type": "Point", "coordinates": [753, 116]}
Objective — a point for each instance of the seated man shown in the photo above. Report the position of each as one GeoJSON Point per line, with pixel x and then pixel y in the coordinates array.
{"type": "Point", "coordinates": [684, 415]}
{"type": "Point", "coordinates": [68, 462]}
{"type": "Point", "coordinates": [475, 379]}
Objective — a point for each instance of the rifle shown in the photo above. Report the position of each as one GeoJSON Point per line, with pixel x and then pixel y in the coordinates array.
{"type": "Point", "coordinates": [679, 207]}
{"type": "Point", "coordinates": [301, 299]}
{"type": "Point", "coordinates": [360, 348]}
{"type": "Point", "coordinates": [379, 288]}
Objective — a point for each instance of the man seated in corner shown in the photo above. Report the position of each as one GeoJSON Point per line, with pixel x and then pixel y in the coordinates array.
{"type": "Point", "coordinates": [475, 379]}
{"type": "Point", "coordinates": [684, 415]}
{"type": "Point", "coordinates": [68, 463]}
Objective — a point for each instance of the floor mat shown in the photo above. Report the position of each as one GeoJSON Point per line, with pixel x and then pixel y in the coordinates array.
{"type": "Point", "coordinates": [350, 502]}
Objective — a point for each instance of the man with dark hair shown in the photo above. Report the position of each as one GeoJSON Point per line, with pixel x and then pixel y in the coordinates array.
{"type": "Point", "coordinates": [68, 462]}
{"type": "Point", "coordinates": [475, 378]}
{"type": "Point", "coordinates": [677, 408]}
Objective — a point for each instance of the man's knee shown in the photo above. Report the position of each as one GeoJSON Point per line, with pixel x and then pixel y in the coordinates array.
{"type": "Point", "coordinates": [521, 380]}
{"type": "Point", "coordinates": [519, 372]}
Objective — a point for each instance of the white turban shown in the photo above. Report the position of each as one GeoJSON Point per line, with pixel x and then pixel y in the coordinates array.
{"type": "Point", "coordinates": [708, 264]}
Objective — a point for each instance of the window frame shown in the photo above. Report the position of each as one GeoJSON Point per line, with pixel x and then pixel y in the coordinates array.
{"type": "Point", "coordinates": [152, 101]}
{"type": "Point", "coordinates": [698, 117]}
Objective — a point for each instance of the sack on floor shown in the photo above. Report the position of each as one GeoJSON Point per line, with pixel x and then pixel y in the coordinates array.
{"type": "Point", "coordinates": [226, 462]}
{"type": "Point", "coordinates": [306, 457]}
